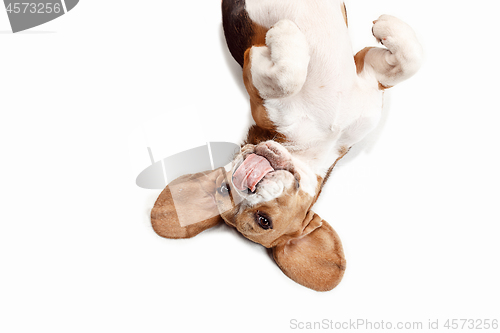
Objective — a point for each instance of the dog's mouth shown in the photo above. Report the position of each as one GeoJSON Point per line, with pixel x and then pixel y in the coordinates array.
{"type": "Point", "coordinates": [256, 166]}
{"type": "Point", "coordinates": [250, 172]}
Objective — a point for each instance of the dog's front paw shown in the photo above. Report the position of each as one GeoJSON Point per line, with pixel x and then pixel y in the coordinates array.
{"type": "Point", "coordinates": [393, 33]}
{"type": "Point", "coordinates": [280, 68]}
{"type": "Point", "coordinates": [288, 45]}
{"type": "Point", "coordinates": [400, 39]}
{"type": "Point", "coordinates": [286, 35]}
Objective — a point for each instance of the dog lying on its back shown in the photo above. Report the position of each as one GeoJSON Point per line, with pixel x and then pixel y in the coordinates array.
{"type": "Point", "coordinates": [311, 100]}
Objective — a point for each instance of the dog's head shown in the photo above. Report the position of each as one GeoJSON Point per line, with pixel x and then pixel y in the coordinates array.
{"type": "Point", "coordinates": [267, 196]}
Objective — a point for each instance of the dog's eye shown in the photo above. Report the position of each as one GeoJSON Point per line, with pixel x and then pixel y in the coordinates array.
{"type": "Point", "coordinates": [264, 222]}
{"type": "Point", "coordinates": [224, 189]}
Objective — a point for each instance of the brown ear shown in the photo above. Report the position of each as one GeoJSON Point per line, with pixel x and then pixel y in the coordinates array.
{"type": "Point", "coordinates": [315, 259]}
{"type": "Point", "coordinates": [187, 206]}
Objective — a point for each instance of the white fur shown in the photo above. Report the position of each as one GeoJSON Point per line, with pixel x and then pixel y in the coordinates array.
{"type": "Point", "coordinates": [333, 107]}
{"type": "Point", "coordinates": [280, 68]}
{"type": "Point", "coordinates": [403, 56]}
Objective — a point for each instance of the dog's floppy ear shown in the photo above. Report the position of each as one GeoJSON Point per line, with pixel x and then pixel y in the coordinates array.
{"type": "Point", "coordinates": [315, 257]}
{"type": "Point", "coordinates": [187, 206]}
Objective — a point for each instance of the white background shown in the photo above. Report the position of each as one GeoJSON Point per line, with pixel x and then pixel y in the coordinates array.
{"type": "Point", "coordinates": [416, 204]}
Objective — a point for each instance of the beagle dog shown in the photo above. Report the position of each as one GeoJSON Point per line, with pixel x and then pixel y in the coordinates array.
{"type": "Point", "coordinates": [311, 100]}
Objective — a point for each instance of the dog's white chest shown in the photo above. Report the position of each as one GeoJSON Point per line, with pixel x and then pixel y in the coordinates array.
{"type": "Point", "coordinates": [321, 128]}
{"type": "Point", "coordinates": [332, 100]}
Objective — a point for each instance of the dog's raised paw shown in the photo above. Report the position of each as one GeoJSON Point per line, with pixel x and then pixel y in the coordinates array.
{"type": "Point", "coordinates": [392, 32]}
{"type": "Point", "coordinates": [286, 41]}
{"type": "Point", "coordinates": [400, 39]}
{"type": "Point", "coordinates": [280, 68]}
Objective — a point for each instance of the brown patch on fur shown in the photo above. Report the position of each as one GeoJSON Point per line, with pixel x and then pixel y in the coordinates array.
{"type": "Point", "coordinates": [382, 87]}
{"type": "Point", "coordinates": [259, 36]}
{"type": "Point", "coordinates": [344, 13]}
{"type": "Point", "coordinates": [359, 59]}
{"type": "Point", "coordinates": [258, 134]}
{"type": "Point", "coordinates": [239, 30]}
{"type": "Point", "coordinates": [259, 112]}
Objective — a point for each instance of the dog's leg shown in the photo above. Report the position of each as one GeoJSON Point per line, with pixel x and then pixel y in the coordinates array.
{"type": "Point", "coordinates": [401, 58]}
{"type": "Point", "coordinates": [279, 68]}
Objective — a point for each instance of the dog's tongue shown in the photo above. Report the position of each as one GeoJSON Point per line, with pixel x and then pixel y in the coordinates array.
{"type": "Point", "coordinates": [250, 172]}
